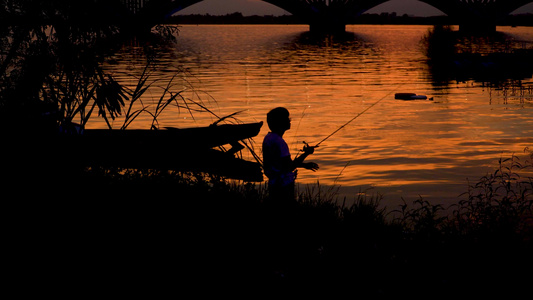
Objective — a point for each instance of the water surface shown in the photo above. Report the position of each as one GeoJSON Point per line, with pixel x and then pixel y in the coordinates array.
{"type": "Point", "coordinates": [397, 148]}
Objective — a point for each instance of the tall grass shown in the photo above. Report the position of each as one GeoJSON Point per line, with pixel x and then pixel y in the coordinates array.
{"type": "Point", "coordinates": [499, 203]}
{"type": "Point", "coordinates": [210, 230]}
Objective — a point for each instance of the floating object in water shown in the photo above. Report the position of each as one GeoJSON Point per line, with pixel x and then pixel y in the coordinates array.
{"type": "Point", "coordinates": [409, 96]}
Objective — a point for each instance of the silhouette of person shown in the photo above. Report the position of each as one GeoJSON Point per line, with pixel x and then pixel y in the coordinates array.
{"type": "Point", "coordinates": [278, 165]}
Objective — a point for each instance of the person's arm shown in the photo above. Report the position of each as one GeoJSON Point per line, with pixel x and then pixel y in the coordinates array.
{"type": "Point", "coordinates": [298, 162]}
{"type": "Point", "coordinates": [289, 165]}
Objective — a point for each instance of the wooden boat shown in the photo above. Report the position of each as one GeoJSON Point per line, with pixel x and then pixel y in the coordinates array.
{"type": "Point", "coordinates": [188, 149]}
{"type": "Point", "coordinates": [192, 138]}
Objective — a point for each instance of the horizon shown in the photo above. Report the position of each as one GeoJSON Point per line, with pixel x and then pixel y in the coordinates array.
{"type": "Point", "coordinates": [258, 7]}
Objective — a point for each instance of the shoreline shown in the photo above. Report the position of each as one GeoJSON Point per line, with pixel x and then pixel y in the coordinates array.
{"type": "Point", "coordinates": [364, 19]}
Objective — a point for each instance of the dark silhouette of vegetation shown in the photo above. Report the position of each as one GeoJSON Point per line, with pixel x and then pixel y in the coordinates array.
{"type": "Point", "coordinates": [53, 82]}
{"type": "Point", "coordinates": [496, 59]}
{"type": "Point", "coordinates": [51, 63]}
{"type": "Point", "coordinates": [150, 231]}
{"type": "Point", "coordinates": [51, 76]}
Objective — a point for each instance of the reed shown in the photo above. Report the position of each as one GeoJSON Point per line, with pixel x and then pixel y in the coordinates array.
{"type": "Point", "coordinates": [171, 95]}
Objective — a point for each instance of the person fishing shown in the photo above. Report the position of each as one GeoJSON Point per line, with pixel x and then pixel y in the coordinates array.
{"type": "Point", "coordinates": [278, 165]}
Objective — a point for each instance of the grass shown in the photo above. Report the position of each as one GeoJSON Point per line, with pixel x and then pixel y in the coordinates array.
{"type": "Point", "coordinates": [152, 231]}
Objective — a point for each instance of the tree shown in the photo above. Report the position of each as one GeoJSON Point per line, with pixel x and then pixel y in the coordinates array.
{"type": "Point", "coordinates": [50, 64]}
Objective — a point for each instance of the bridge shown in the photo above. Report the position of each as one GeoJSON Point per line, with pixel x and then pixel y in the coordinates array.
{"type": "Point", "coordinates": [333, 15]}
{"type": "Point", "coordinates": [477, 15]}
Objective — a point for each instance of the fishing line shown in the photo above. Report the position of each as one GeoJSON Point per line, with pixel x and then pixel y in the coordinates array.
{"type": "Point", "coordinates": [338, 176]}
{"type": "Point", "coordinates": [357, 116]}
{"type": "Point", "coordinates": [347, 123]}
{"type": "Point", "coordinates": [350, 121]}
{"type": "Point", "coordinates": [299, 122]}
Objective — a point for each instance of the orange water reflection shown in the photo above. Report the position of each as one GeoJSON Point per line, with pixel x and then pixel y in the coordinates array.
{"type": "Point", "coordinates": [399, 148]}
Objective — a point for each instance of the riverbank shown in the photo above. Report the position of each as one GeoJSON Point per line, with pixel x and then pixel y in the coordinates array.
{"type": "Point", "coordinates": [149, 232]}
{"type": "Point", "coordinates": [371, 19]}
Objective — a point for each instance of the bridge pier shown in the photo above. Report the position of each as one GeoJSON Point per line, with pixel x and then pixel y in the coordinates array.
{"type": "Point", "coordinates": [327, 27]}
{"type": "Point", "coordinates": [477, 27]}
{"type": "Point", "coordinates": [327, 22]}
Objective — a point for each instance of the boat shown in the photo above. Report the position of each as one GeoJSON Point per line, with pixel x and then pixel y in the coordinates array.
{"type": "Point", "coordinates": [192, 138]}
{"type": "Point", "coordinates": [209, 149]}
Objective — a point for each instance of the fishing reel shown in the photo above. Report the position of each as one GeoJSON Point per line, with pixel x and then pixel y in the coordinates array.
{"type": "Point", "coordinates": [308, 149]}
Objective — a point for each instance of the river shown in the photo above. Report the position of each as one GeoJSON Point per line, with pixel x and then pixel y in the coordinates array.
{"type": "Point", "coordinates": [399, 149]}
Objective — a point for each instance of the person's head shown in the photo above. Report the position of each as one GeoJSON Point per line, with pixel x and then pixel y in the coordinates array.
{"type": "Point", "coordinates": [278, 120]}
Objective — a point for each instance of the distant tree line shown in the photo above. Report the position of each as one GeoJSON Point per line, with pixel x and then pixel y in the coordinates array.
{"type": "Point", "coordinates": [234, 18]}
{"type": "Point", "coordinates": [383, 18]}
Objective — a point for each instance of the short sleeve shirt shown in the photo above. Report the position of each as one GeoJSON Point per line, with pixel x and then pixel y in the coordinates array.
{"type": "Point", "coordinates": [274, 149]}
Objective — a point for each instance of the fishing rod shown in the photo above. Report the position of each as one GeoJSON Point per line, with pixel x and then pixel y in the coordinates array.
{"type": "Point", "coordinates": [349, 121]}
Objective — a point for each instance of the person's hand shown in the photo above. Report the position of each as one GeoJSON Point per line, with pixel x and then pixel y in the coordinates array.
{"type": "Point", "coordinates": [309, 149]}
{"type": "Point", "coordinates": [311, 166]}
